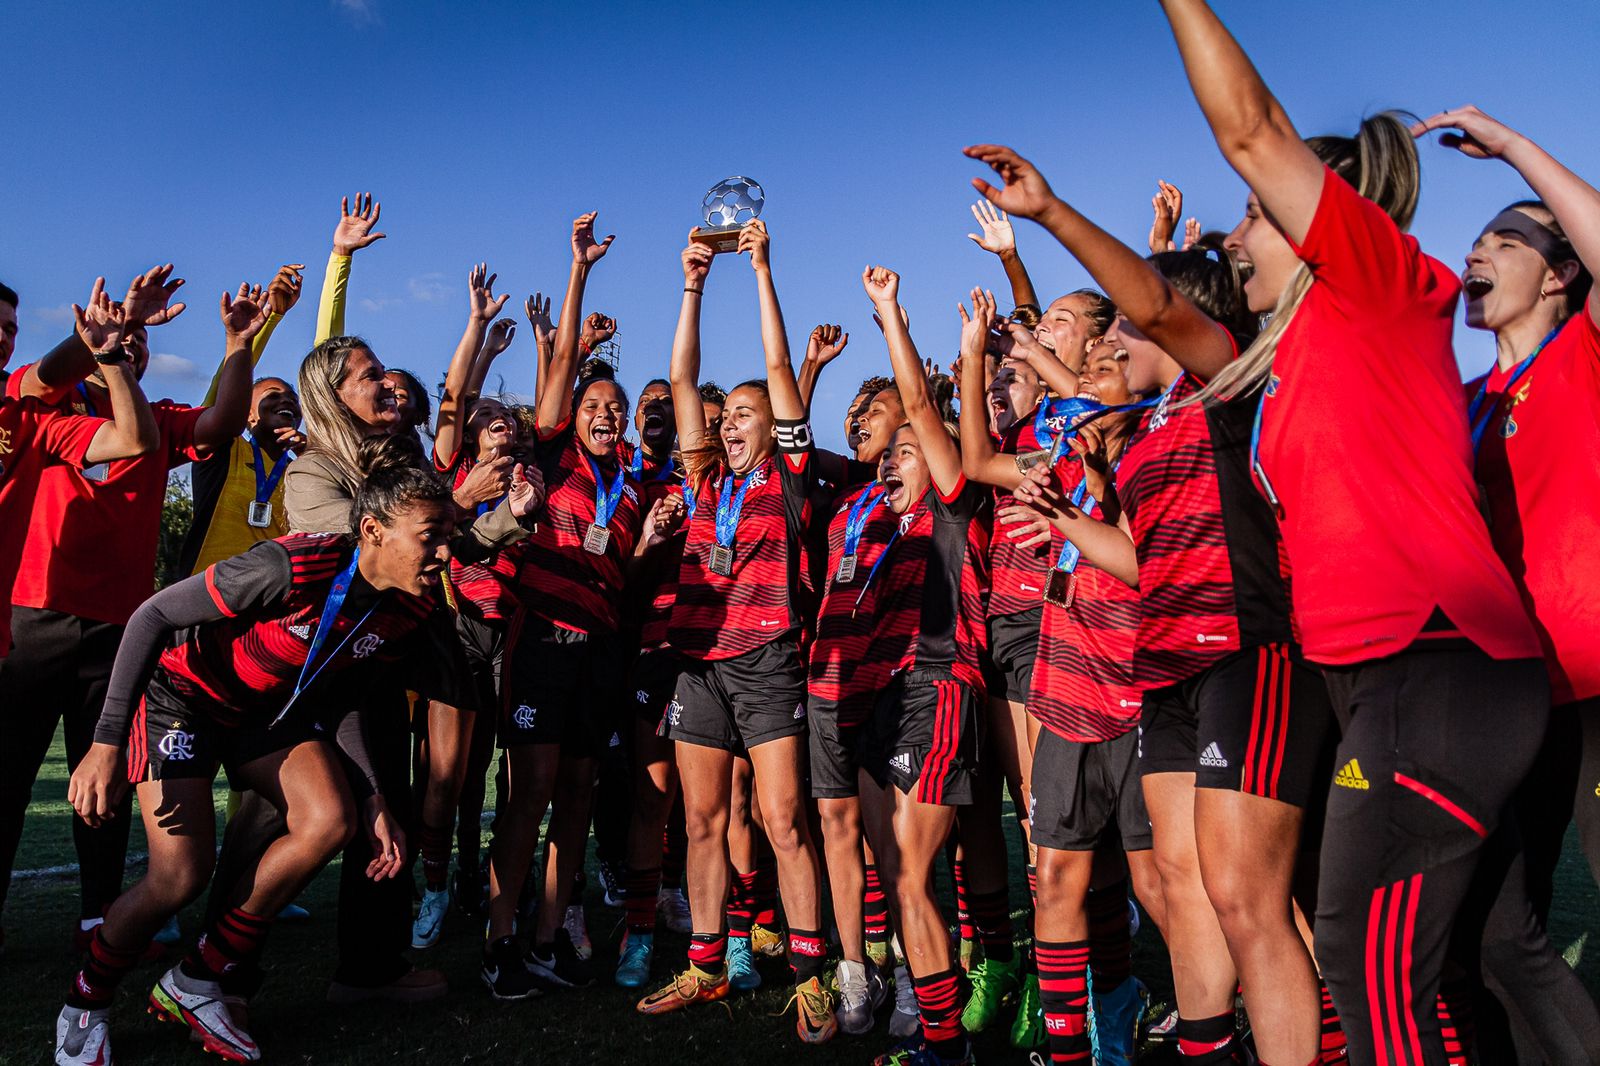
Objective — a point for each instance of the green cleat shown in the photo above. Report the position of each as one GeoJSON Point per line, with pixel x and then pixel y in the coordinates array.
{"type": "Point", "coordinates": [993, 983]}
{"type": "Point", "coordinates": [1028, 1032]}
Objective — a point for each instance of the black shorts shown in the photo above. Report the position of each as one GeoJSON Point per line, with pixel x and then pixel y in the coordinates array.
{"type": "Point", "coordinates": [1258, 721]}
{"type": "Point", "coordinates": [1085, 794]}
{"type": "Point", "coordinates": [736, 704]}
{"type": "Point", "coordinates": [655, 677]}
{"type": "Point", "coordinates": [1013, 646]}
{"type": "Point", "coordinates": [834, 738]}
{"type": "Point", "coordinates": [171, 741]}
{"type": "Point", "coordinates": [924, 736]}
{"type": "Point", "coordinates": [561, 687]}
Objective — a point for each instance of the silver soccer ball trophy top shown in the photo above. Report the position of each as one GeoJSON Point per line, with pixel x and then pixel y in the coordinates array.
{"type": "Point", "coordinates": [728, 206]}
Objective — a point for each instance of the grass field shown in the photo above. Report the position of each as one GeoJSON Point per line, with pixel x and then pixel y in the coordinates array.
{"type": "Point", "coordinates": [597, 1025]}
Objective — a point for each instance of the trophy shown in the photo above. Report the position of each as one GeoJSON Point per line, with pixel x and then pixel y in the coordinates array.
{"type": "Point", "coordinates": [727, 207]}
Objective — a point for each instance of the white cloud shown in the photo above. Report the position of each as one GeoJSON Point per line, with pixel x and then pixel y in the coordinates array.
{"type": "Point", "coordinates": [428, 288]}
{"type": "Point", "coordinates": [360, 12]}
{"type": "Point", "coordinates": [382, 303]}
{"type": "Point", "coordinates": [60, 315]}
{"type": "Point", "coordinates": [174, 368]}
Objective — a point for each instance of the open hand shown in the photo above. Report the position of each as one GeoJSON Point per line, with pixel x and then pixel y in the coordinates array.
{"type": "Point", "coordinates": [998, 236]}
{"type": "Point", "coordinates": [975, 328]}
{"type": "Point", "coordinates": [354, 230]}
{"type": "Point", "coordinates": [243, 314]}
{"type": "Point", "coordinates": [1023, 524]}
{"type": "Point", "coordinates": [481, 300]}
{"type": "Point", "coordinates": [1024, 191]}
{"type": "Point", "coordinates": [498, 338]}
{"type": "Point", "coordinates": [586, 251]}
{"type": "Point", "coordinates": [149, 298]}
{"type": "Point", "coordinates": [538, 311]}
{"type": "Point", "coordinates": [102, 323]}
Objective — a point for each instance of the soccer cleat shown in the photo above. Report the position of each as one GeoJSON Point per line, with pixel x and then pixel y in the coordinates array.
{"type": "Point", "coordinates": [673, 910]}
{"type": "Point", "coordinates": [430, 918]}
{"type": "Point", "coordinates": [993, 983]}
{"type": "Point", "coordinates": [504, 972]}
{"type": "Point", "coordinates": [202, 1006]}
{"type": "Point", "coordinates": [854, 1013]}
{"type": "Point", "coordinates": [576, 925]}
{"type": "Point", "coordinates": [470, 891]}
{"type": "Point", "coordinates": [1116, 1021]}
{"type": "Point", "coordinates": [766, 942]}
{"type": "Point", "coordinates": [294, 913]}
{"type": "Point", "coordinates": [557, 964]}
{"type": "Point", "coordinates": [877, 987]}
{"type": "Point", "coordinates": [742, 973]}
{"type": "Point", "coordinates": [1028, 1032]}
{"type": "Point", "coordinates": [633, 965]}
{"type": "Point", "coordinates": [815, 1023]}
{"type": "Point", "coordinates": [83, 1037]}
{"type": "Point", "coordinates": [915, 1052]}
{"type": "Point", "coordinates": [906, 1021]}
{"type": "Point", "coordinates": [612, 882]}
{"type": "Point", "coordinates": [688, 988]}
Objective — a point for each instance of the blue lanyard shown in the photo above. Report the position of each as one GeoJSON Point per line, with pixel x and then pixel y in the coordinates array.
{"type": "Point", "coordinates": [606, 497]}
{"type": "Point", "coordinates": [1269, 389]}
{"type": "Point", "coordinates": [1070, 552]}
{"type": "Point", "coordinates": [637, 465]}
{"type": "Point", "coordinates": [856, 523]}
{"type": "Point", "coordinates": [1084, 412]}
{"type": "Point", "coordinates": [88, 404]}
{"type": "Point", "coordinates": [266, 484]}
{"type": "Point", "coordinates": [1066, 408]}
{"type": "Point", "coordinates": [729, 506]}
{"type": "Point", "coordinates": [330, 613]}
{"type": "Point", "coordinates": [690, 500]}
{"type": "Point", "coordinates": [881, 557]}
{"type": "Point", "coordinates": [1480, 425]}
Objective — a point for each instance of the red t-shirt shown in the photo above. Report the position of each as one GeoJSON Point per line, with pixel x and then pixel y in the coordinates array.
{"type": "Point", "coordinates": [33, 437]}
{"type": "Point", "coordinates": [1364, 441]}
{"type": "Point", "coordinates": [1539, 462]}
{"type": "Point", "coordinates": [91, 547]}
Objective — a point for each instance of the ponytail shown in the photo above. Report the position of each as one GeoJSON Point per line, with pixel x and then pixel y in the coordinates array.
{"type": "Point", "coordinates": [395, 475]}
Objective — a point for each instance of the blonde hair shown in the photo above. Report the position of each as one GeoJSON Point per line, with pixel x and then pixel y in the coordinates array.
{"type": "Point", "coordinates": [1380, 161]}
{"type": "Point", "coordinates": [331, 430]}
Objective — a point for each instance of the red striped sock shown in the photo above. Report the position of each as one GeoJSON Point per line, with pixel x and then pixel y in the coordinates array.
{"type": "Point", "coordinates": [708, 952]}
{"type": "Point", "coordinates": [958, 875]}
{"type": "Point", "coordinates": [1110, 945]}
{"type": "Point", "coordinates": [939, 1005]}
{"type": "Point", "coordinates": [1455, 1021]}
{"type": "Point", "coordinates": [434, 847]}
{"type": "Point", "coordinates": [1335, 1049]}
{"type": "Point", "coordinates": [1206, 1041]}
{"type": "Point", "coordinates": [236, 937]}
{"type": "Point", "coordinates": [741, 905]}
{"type": "Point", "coordinates": [807, 953]}
{"type": "Point", "coordinates": [640, 891]}
{"type": "Point", "coordinates": [103, 968]}
{"type": "Point", "coordinates": [875, 908]}
{"type": "Point", "coordinates": [991, 921]}
{"type": "Point", "coordinates": [1064, 991]}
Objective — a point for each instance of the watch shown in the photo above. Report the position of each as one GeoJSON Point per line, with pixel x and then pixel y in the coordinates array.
{"type": "Point", "coordinates": [119, 354]}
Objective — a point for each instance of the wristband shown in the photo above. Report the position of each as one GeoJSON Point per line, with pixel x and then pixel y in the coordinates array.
{"type": "Point", "coordinates": [119, 354]}
{"type": "Point", "coordinates": [697, 292]}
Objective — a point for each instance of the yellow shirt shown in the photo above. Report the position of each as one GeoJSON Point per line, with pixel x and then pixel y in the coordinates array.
{"type": "Point", "coordinates": [228, 531]}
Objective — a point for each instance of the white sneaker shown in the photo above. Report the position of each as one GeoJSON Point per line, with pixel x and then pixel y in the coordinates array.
{"type": "Point", "coordinates": [673, 910]}
{"type": "Point", "coordinates": [905, 1021]}
{"type": "Point", "coordinates": [578, 932]}
{"type": "Point", "coordinates": [430, 918]}
{"type": "Point", "coordinates": [83, 1037]}
{"type": "Point", "coordinates": [202, 1007]}
{"type": "Point", "coordinates": [854, 1012]}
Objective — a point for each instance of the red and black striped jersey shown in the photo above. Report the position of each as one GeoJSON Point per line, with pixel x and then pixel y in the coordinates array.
{"type": "Point", "coordinates": [657, 600]}
{"type": "Point", "coordinates": [1083, 688]}
{"type": "Point", "coordinates": [560, 581]}
{"type": "Point", "coordinates": [484, 590]}
{"type": "Point", "coordinates": [1016, 574]}
{"type": "Point", "coordinates": [646, 468]}
{"type": "Point", "coordinates": [720, 617]}
{"type": "Point", "coordinates": [926, 601]}
{"type": "Point", "coordinates": [246, 664]}
{"type": "Point", "coordinates": [844, 632]}
{"type": "Point", "coordinates": [1210, 577]}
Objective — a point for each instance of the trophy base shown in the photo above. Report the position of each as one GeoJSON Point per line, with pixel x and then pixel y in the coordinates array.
{"type": "Point", "coordinates": [719, 238]}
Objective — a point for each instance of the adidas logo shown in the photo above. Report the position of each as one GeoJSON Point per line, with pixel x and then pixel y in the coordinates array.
{"type": "Point", "coordinates": [902, 762]}
{"type": "Point", "coordinates": [1212, 756]}
{"type": "Point", "coordinates": [800, 712]}
{"type": "Point", "coordinates": [1350, 776]}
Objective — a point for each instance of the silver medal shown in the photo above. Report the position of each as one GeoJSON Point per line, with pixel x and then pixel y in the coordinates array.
{"type": "Point", "coordinates": [260, 516]}
{"type": "Point", "coordinates": [847, 569]}
{"type": "Point", "coordinates": [722, 560]}
{"type": "Point", "coordinates": [597, 539]}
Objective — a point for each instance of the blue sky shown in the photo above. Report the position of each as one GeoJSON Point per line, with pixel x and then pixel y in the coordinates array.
{"type": "Point", "coordinates": [222, 136]}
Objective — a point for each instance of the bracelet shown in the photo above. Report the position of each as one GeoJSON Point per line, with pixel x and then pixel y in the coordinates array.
{"type": "Point", "coordinates": [119, 354]}
{"type": "Point", "coordinates": [697, 292]}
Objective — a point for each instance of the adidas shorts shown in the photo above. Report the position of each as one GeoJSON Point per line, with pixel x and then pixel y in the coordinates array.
{"type": "Point", "coordinates": [835, 733]}
{"type": "Point", "coordinates": [655, 675]}
{"type": "Point", "coordinates": [561, 687]}
{"type": "Point", "coordinates": [923, 737]}
{"type": "Point", "coordinates": [736, 704]}
{"type": "Point", "coordinates": [170, 741]}
{"type": "Point", "coordinates": [1013, 645]}
{"type": "Point", "coordinates": [1258, 721]}
{"type": "Point", "coordinates": [1086, 794]}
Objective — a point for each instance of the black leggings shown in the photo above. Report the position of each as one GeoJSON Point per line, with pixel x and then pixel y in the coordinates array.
{"type": "Point", "coordinates": [1436, 741]}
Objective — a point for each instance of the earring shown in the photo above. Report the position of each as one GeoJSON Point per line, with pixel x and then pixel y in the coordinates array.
{"type": "Point", "coordinates": [1542, 293]}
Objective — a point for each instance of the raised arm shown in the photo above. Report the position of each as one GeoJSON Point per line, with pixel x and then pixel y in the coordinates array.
{"type": "Point", "coordinates": [782, 388]}
{"type": "Point", "coordinates": [1574, 202]}
{"type": "Point", "coordinates": [537, 307]}
{"type": "Point", "coordinates": [496, 340]}
{"type": "Point", "coordinates": [683, 372]}
{"type": "Point", "coordinates": [823, 347]}
{"type": "Point", "coordinates": [482, 306]}
{"type": "Point", "coordinates": [980, 459]}
{"type": "Point", "coordinates": [1141, 294]}
{"type": "Point", "coordinates": [148, 303]}
{"type": "Point", "coordinates": [555, 391]}
{"type": "Point", "coordinates": [243, 316]}
{"type": "Point", "coordinates": [353, 233]}
{"type": "Point", "coordinates": [1000, 238]}
{"type": "Point", "coordinates": [938, 450]}
{"type": "Point", "coordinates": [282, 294]}
{"type": "Point", "coordinates": [1250, 126]}
{"type": "Point", "coordinates": [132, 429]}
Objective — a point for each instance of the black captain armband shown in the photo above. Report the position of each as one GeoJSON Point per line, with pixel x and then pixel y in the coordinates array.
{"type": "Point", "coordinates": [794, 435]}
